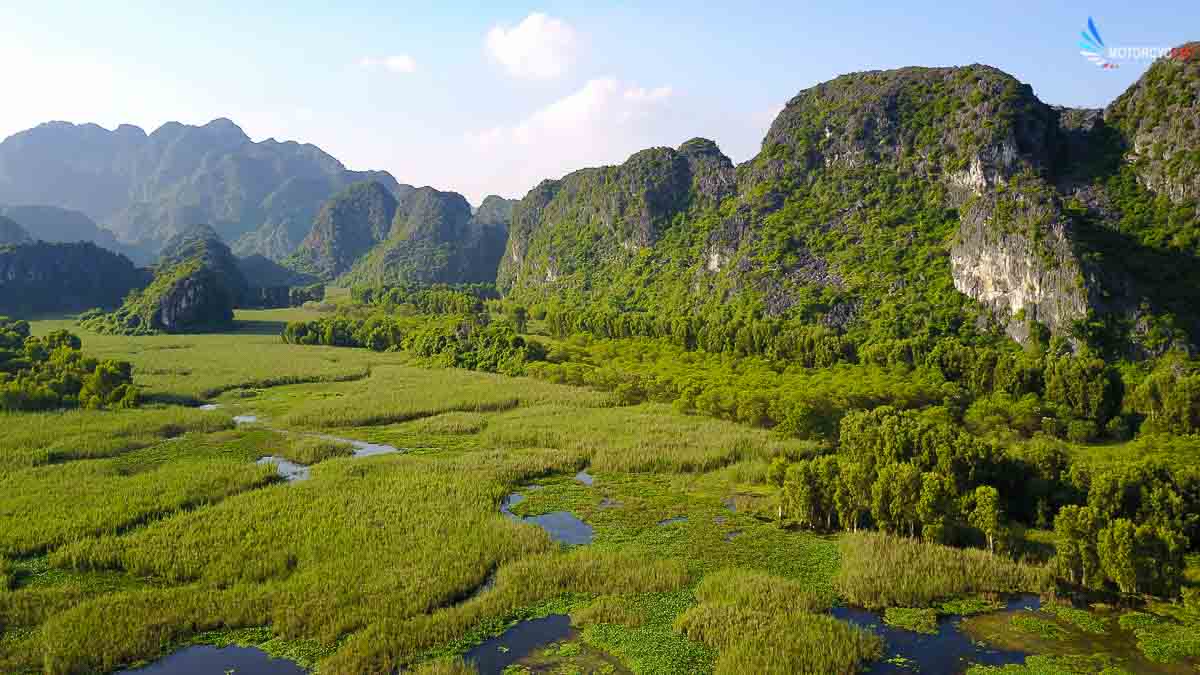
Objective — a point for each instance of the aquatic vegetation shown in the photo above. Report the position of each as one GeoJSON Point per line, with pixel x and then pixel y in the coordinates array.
{"type": "Point", "coordinates": [969, 606]}
{"type": "Point", "coordinates": [763, 591]}
{"type": "Point", "coordinates": [1079, 618]}
{"type": "Point", "coordinates": [1030, 623]}
{"type": "Point", "coordinates": [918, 620]}
{"type": "Point", "coordinates": [1161, 639]}
{"type": "Point", "coordinates": [449, 665]}
{"type": "Point", "coordinates": [745, 640]}
{"type": "Point", "coordinates": [1054, 665]}
{"type": "Point", "coordinates": [879, 570]}
{"type": "Point", "coordinates": [612, 609]}
{"type": "Point", "coordinates": [313, 449]}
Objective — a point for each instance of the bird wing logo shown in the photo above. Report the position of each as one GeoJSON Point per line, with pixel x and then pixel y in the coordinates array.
{"type": "Point", "coordinates": [1092, 46]}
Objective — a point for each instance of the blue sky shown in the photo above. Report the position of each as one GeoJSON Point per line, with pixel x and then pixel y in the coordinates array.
{"type": "Point", "coordinates": [491, 97]}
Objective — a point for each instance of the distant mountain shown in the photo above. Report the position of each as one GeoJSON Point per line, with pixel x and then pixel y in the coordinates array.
{"type": "Point", "coordinates": [54, 224]}
{"type": "Point", "coordinates": [63, 277]}
{"type": "Point", "coordinates": [368, 234]}
{"type": "Point", "coordinates": [11, 232]}
{"type": "Point", "coordinates": [146, 188]}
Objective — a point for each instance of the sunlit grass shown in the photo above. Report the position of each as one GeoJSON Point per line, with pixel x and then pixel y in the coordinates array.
{"type": "Point", "coordinates": [879, 570]}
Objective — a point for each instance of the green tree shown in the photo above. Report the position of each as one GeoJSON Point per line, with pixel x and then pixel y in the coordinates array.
{"type": "Point", "coordinates": [1118, 549]}
{"type": "Point", "coordinates": [936, 506]}
{"type": "Point", "coordinates": [986, 514]}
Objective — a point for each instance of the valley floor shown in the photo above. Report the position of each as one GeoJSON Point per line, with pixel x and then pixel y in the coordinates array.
{"type": "Point", "coordinates": [126, 535]}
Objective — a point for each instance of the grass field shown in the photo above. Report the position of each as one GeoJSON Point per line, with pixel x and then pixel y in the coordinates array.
{"type": "Point", "coordinates": [126, 534]}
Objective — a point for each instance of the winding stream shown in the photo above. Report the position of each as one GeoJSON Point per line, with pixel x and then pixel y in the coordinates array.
{"type": "Point", "coordinates": [207, 660]}
{"type": "Point", "coordinates": [295, 471]}
{"type": "Point", "coordinates": [950, 650]}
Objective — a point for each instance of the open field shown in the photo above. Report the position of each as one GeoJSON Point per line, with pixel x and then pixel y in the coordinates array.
{"type": "Point", "coordinates": [126, 534]}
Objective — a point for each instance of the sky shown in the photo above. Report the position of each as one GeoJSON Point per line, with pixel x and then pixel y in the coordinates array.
{"type": "Point", "coordinates": [493, 97]}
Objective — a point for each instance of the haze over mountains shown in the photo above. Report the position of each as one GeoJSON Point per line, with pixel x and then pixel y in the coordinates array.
{"type": "Point", "coordinates": [148, 187]}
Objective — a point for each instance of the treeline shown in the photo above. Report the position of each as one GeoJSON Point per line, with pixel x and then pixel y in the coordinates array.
{"type": "Point", "coordinates": [50, 371]}
{"type": "Point", "coordinates": [773, 339]}
{"type": "Point", "coordinates": [464, 341]}
{"type": "Point", "coordinates": [436, 299]}
{"type": "Point", "coordinates": [1126, 528]}
{"type": "Point", "coordinates": [995, 390]}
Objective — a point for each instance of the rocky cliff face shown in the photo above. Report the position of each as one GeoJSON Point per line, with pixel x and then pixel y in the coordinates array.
{"type": "Point", "coordinates": [881, 199]}
{"type": "Point", "coordinates": [42, 277]}
{"type": "Point", "coordinates": [1015, 254]}
{"type": "Point", "coordinates": [148, 187]}
{"type": "Point", "coordinates": [192, 301]}
{"type": "Point", "coordinates": [1160, 118]}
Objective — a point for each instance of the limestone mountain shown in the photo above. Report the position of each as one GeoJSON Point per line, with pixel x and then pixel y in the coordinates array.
{"type": "Point", "coordinates": [436, 239]}
{"type": "Point", "coordinates": [347, 226]}
{"type": "Point", "coordinates": [903, 203]}
{"type": "Point", "coordinates": [54, 224]}
{"type": "Point", "coordinates": [369, 234]}
{"type": "Point", "coordinates": [148, 187]}
{"type": "Point", "coordinates": [11, 233]}
{"type": "Point", "coordinates": [197, 283]}
{"type": "Point", "coordinates": [63, 277]}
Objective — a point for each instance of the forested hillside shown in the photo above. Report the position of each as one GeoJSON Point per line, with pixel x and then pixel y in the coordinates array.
{"type": "Point", "coordinates": [904, 205]}
{"type": "Point", "coordinates": [370, 235]}
{"type": "Point", "coordinates": [39, 278]}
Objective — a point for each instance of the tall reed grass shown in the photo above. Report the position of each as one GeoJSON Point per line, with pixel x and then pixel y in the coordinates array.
{"type": "Point", "coordinates": [647, 437]}
{"type": "Point", "coordinates": [879, 570]}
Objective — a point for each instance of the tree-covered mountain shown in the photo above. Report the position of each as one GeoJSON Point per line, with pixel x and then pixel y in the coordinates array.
{"type": "Point", "coordinates": [11, 233]}
{"type": "Point", "coordinates": [148, 187]}
{"type": "Point", "coordinates": [42, 277]}
{"type": "Point", "coordinates": [54, 224]}
{"type": "Point", "coordinates": [197, 283]}
{"type": "Point", "coordinates": [369, 234]}
{"type": "Point", "coordinates": [892, 205]}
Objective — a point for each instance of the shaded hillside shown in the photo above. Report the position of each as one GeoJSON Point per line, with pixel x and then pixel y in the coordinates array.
{"type": "Point", "coordinates": [348, 225]}
{"type": "Point", "coordinates": [147, 188]}
{"type": "Point", "coordinates": [897, 204]}
{"type": "Point", "coordinates": [42, 278]}
{"type": "Point", "coordinates": [366, 235]}
{"type": "Point", "coordinates": [11, 233]}
{"type": "Point", "coordinates": [436, 239]}
{"type": "Point", "coordinates": [54, 224]}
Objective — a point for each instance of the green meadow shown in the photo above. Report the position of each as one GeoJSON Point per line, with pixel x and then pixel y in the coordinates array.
{"type": "Point", "coordinates": [128, 534]}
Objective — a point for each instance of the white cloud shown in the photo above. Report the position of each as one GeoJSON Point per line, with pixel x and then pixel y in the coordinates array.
{"type": "Point", "coordinates": [400, 63]}
{"type": "Point", "coordinates": [602, 123]}
{"type": "Point", "coordinates": [540, 47]}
